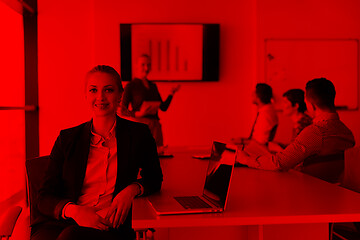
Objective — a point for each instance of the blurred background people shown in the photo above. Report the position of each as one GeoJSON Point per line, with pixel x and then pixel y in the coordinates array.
{"type": "Point", "coordinates": [141, 100]}
{"type": "Point", "coordinates": [266, 121]}
{"type": "Point", "coordinates": [319, 149]}
{"type": "Point", "coordinates": [294, 106]}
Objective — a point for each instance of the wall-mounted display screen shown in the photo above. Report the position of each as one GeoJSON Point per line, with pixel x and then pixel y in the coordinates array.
{"type": "Point", "coordinates": [178, 52]}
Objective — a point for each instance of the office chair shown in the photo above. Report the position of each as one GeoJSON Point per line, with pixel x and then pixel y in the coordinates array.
{"type": "Point", "coordinates": [8, 221]}
{"type": "Point", "coordinates": [329, 168]}
{"type": "Point", "coordinates": [35, 170]}
{"type": "Point", "coordinates": [351, 181]}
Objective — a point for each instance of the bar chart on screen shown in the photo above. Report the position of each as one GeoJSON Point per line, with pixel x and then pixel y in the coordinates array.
{"type": "Point", "coordinates": [176, 50]}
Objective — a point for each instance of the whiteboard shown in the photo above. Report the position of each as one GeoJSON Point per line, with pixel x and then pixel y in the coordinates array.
{"type": "Point", "coordinates": [291, 63]}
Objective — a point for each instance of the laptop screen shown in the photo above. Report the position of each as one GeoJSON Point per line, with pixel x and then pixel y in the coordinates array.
{"type": "Point", "coordinates": [219, 173]}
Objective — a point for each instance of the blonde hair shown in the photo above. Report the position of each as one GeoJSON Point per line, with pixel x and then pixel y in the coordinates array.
{"type": "Point", "coordinates": [109, 70]}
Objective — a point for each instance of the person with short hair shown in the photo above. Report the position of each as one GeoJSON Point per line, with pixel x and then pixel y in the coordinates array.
{"type": "Point", "coordinates": [294, 106]}
{"type": "Point", "coordinates": [326, 136]}
{"type": "Point", "coordinates": [266, 120]}
{"type": "Point", "coordinates": [92, 176]}
{"type": "Point", "coordinates": [139, 90]}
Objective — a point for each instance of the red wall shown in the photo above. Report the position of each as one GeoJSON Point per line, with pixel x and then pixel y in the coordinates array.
{"type": "Point", "coordinates": [72, 40]}
{"type": "Point", "coordinates": [76, 35]}
{"type": "Point", "coordinates": [65, 54]}
{"type": "Point", "coordinates": [322, 19]}
{"type": "Point", "coordinates": [12, 94]}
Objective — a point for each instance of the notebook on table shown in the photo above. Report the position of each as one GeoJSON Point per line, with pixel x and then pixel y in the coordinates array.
{"type": "Point", "coordinates": [215, 191]}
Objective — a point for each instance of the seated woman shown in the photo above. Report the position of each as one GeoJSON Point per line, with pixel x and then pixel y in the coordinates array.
{"type": "Point", "coordinates": [294, 106]}
{"type": "Point", "coordinates": [92, 178]}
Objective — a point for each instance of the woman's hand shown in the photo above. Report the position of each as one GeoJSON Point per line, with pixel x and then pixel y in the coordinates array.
{"type": "Point", "coordinates": [175, 89]}
{"type": "Point", "coordinates": [86, 217]}
{"type": "Point", "coordinates": [161, 149]}
{"type": "Point", "coordinates": [242, 157]}
{"type": "Point", "coordinates": [121, 205]}
{"type": "Point", "coordinates": [143, 111]}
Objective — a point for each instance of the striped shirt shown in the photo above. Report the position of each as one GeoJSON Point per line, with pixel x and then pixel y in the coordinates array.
{"type": "Point", "coordinates": [302, 122]}
{"type": "Point", "coordinates": [326, 136]}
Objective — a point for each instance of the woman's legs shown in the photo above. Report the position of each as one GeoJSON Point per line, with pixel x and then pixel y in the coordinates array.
{"type": "Point", "coordinates": [48, 231]}
{"type": "Point", "coordinates": [156, 130]}
{"type": "Point", "coordinates": [66, 231]}
{"type": "Point", "coordinates": [76, 232]}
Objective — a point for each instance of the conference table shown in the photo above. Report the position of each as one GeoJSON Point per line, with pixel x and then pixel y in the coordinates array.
{"type": "Point", "coordinates": [261, 204]}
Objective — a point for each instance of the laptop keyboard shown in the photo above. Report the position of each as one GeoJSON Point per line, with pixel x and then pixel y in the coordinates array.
{"type": "Point", "coordinates": [192, 202]}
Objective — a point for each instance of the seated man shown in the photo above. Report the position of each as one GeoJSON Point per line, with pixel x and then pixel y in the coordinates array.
{"type": "Point", "coordinates": [266, 120]}
{"type": "Point", "coordinates": [326, 136]}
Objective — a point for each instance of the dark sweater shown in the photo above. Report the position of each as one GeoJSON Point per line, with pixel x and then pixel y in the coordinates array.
{"type": "Point", "coordinates": [136, 93]}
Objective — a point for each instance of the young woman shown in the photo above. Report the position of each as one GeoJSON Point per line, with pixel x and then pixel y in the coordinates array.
{"type": "Point", "coordinates": [141, 90]}
{"type": "Point", "coordinates": [92, 177]}
{"type": "Point", "coordinates": [294, 106]}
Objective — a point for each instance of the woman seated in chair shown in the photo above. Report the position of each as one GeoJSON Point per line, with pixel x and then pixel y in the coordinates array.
{"type": "Point", "coordinates": [92, 178]}
{"type": "Point", "coordinates": [294, 106]}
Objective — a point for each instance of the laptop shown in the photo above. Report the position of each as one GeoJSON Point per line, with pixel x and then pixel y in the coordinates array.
{"type": "Point", "coordinates": [215, 191]}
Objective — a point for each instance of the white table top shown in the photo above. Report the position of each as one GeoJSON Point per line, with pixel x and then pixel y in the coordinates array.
{"type": "Point", "coordinates": [256, 197]}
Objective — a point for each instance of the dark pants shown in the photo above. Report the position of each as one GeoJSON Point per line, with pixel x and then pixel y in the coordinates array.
{"type": "Point", "coordinates": [155, 128]}
{"type": "Point", "coordinates": [57, 230]}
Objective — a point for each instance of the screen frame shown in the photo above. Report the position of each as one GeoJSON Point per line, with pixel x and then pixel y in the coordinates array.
{"type": "Point", "coordinates": [211, 52]}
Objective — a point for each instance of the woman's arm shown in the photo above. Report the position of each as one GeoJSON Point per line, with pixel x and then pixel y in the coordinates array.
{"type": "Point", "coordinates": [125, 102]}
{"type": "Point", "coordinates": [150, 181]}
{"type": "Point", "coordinates": [151, 174]}
{"type": "Point", "coordinates": [50, 200]}
{"type": "Point", "coordinates": [165, 104]}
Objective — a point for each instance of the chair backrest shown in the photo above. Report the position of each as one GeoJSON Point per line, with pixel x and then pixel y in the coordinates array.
{"type": "Point", "coordinates": [272, 133]}
{"type": "Point", "coordinates": [351, 178]}
{"type": "Point", "coordinates": [329, 168]}
{"type": "Point", "coordinates": [8, 221]}
{"type": "Point", "coordinates": [35, 169]}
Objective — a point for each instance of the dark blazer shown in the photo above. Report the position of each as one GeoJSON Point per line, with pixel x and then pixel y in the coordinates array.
{"type": "Point", "coordinates": [136, 149]}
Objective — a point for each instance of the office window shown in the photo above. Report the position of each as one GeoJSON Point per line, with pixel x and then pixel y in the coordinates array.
{"type": "Point", "coordinates": [12, 101]}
